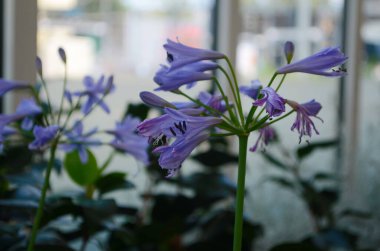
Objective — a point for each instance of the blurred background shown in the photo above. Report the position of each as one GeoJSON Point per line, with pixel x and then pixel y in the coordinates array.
{"type": "Point", "coordinates": [125, 38]}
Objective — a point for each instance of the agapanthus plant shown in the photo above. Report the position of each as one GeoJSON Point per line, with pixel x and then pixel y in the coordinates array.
{"type": "Point", "coordinates": [176, 133]}
{"type": "Point", "coordinates": [48, 126]}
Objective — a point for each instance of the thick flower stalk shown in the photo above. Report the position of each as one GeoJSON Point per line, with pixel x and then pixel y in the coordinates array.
{"type": "Point", "coordinates": [176, 133]}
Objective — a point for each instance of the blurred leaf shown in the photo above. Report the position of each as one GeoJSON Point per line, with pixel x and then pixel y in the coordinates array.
{"type": "Point", "coordinates": [324, 176]}
{"type": "Point", "coordinates": [15, 157]}
{"type": "Point", "coordinates": [355, 213]}
{"type": "Point", "coordinates": [137, 110]}
{"type": "Point", "coordinates": [82, 174]}
{"type": "Point", "coordinates": [282, 181]}
{"type": "Point", "coordinates": [16, 203]}
{"type": "Point", "coordinates": [275, 161]}
{"type": "Point", "coordinates": [304, 151]}
{"type": "Point", "coordinates": [112, 181]}
{"type": "Point", "coordinates": [215, 158]}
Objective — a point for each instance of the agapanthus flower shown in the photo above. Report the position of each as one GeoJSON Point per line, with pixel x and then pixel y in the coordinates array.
{"type": "Point", "coordinates": [214, 101]}
{"type": "Point", "coordinates": [43, 136]}
{"type": "Point", "coordinates": [172, 156]}
{"type": "Point", "coordinates": [274, 103]}
{"type": "Point", "coordinates": [62, 54]}
{"type": "Point", "coordinates": [94, 92]}
{"type": "Point", "coordinates": [27, 107]}
{"type": "Point", "coordinates": [9, 85]}
{"type": "Point", "coordinates": [175, 123]}
{"type": "Point", "coordinates": [152, 99]}
{"type": "Point", "coordinates": [320, 63]}
{"type": "Point", "coordinates": [266, 135]}
{"type": "Point", "coordinates": [253, 90]}
{"type": "Point", "coordinates": [180, 54]}
{"type": "Point", "coordinates": [78, 140]}
{"type": "Point", "coordinates": [170, 80]}
{"type": "Point", "coordinates": [5, 131]}
{"type": "Point", "coordinates": [31, 109]}
{"type": "Point", "coordinates": [188, 131]}
{"type": "Point", "coordinates": [128, 141]}
{"type": "Point", "coordinates": [303, 123]}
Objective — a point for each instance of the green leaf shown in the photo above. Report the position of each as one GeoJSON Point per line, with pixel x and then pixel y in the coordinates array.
{"type": "Point", "coordinates": [304, 151]}
{"type": "Point", "coordinates": [82, 174]}
{"type": "Point", "coordinates": [282, 181]}
{"type": "Point", "coordinates": [324, 176]}
{"type": "Point", "coordinates": [138, 110]}
{"type": "Point", "coordinates": [112, 181]}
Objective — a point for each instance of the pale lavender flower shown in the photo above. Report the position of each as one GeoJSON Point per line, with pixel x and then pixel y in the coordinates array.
{"type": "Point", "coordinates": [9, 85]}
{"type": "Point", "coordinates": [27, 107]}
{"type": "Point", "coordinates": [303, 123]}
{"type": "Point", "coordinates": [319, 63]}
{"type": "Point", "coordinates": [43, 136]}
{"type": "Point", "coordinates": [253, 90]}
{"type": "Point", "coordinates": [94, 92]}
{"type": "Point", "coordinates": [30, 109]}
{"type": "Point", "coordinates": [289, 51]}
{"type": "Point", "coordinates": [274, 103]}
{"type": "Point", "coordinates": [170, 80]}
{"type": "Point", "coordinates": [78, 140]}
{"type": "Point", "coordinates": [126, 139]}
{"type": "Point", "coordinates": [172, 156]}
{"type": "Point", "coordinates": [180, 54]}
{"type": "Point", "coordinates": [266, 135]}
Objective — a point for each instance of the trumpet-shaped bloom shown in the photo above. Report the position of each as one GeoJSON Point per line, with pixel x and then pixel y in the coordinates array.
{"type": "Point", "coordinates": [253, 90]}
{"type": "Point", "coordinates": [170, 80]}
{"type": "Point", "coordinates": [213, 101]}
{"type": "Point", "coordinates": [94, 93]}
{"type": "Point", "coordinates": [152, 99]}
{"type": "Point", "coordinates": [320, 63]}
{"type": "Point", "coordinates": [175, 123]}
{"type": "Point", "coordinates": [172, 156]}
{"type": "Point", "coordinates": [180, 54]}
{"type": "Point", "coordinates": [126, 139]}
{"type": "Point", "coordinates": [274, 103]}
{"type": "Point", "coordinates": [303, 123]}
{"type": "Point", "coordinates": [29, 107]}
{"type": "Point", "coordinates": [43, 136]}
{"type": "Point", "coordinates": [78, 140]}
{"type": "Point", "coordinates": [266, 135]}
{"type": "Point", "coordinates": [9, 85]}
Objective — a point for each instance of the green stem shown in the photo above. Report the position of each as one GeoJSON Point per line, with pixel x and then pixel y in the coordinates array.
{"type": "Point", "coordinates": [237, 90]}
{"type": "Point", "coordinates": [238, 229]}
{"type": "Point", "coordinates": [282, 117]}
{"type": "Point", "coordinates": [281, 81]}
{"type": "Point", "coordinates": [230, 83]}
{"type": "Point", "coordinates": [41, 203]}
{"type": "Point", "coordinates": [232, 115]}
{"type": "Point", "coordinates": [47, 98]}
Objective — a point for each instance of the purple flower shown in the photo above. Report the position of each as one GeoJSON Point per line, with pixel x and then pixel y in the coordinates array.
{"type": "Point", "coordinates": [172, 156]}
{"type": "Point", "coordinates": [30, 109]}
{"type": "Point", "coordinates": [289, 51]}
{"type": "Point", "coordinates": [188, 131]}
{"type": "Point", "coordinates": [9, 85]}
{"type": "Point", "coordinates": [43, 136]}
{"type": "Point", "coordinates": [170, 80]}
{"type": "Point", "coordinates": [303, 123]}
{"type": "Point", "coordinates": [319, 63]}
{"type": "Point", "coordinates": [253, 90]}
{"type": "Point", "coordinates": [266, 135]}
{"type": "Point", "coordinates": [214, 101]}
{"type": "Point", "coordinates": [154, 100]}
{"type": "Point", "coordinates": [5, 131]}
{"type": "Point", "coordinates": [175, 123]}
{"type": "Point", "coordinates": [274, 104]}
{"type": "Point", "coordinates": [126, 139]}
{"type": "Point", "coordinates": [180, 54]}
{"type": "Point", "coordinates": [27, 107]}
{"type": "Point", "coordinates": [80, 141]}
{"type": "Point", "coordinates": [95, 91]}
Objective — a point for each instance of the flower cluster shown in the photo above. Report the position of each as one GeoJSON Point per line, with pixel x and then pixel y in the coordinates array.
{"type": "Point", "coordinates": [48, 129]}
{"type": "Point", "coordinates": [185, 125]}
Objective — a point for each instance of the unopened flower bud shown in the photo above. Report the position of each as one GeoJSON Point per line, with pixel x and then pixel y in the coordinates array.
{"type": "Point", "coordinates": [62, 54]}
{"type": "Point", "coordinates": [154, 100]}
{"type": "Point", "coordinates": [289, 51]}
{"type": "Point", "coordinates": [38, 64]}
